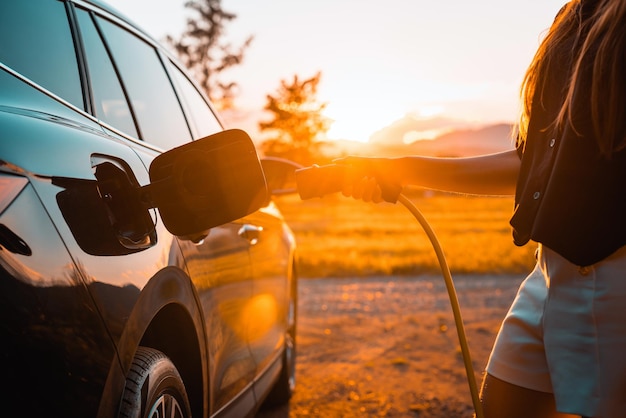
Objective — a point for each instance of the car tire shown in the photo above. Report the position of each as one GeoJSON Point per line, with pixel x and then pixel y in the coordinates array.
{"type": "Point", "coordinates": [154, 388]}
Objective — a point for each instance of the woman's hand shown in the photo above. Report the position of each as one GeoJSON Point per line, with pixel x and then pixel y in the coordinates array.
{"type": "Point", "coordinates": [363, 178]}
{"type": "Point", "coordinates": [363, 188]}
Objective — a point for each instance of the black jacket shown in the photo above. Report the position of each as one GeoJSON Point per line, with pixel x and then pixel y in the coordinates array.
{"type": "Point", "coordinates": [569, 197]}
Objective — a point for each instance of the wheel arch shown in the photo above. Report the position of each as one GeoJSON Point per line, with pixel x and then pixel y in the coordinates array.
{"type": "Point", "coordinates": [166, 317]}
{"type": "Point", "coordinates": [173, 333]}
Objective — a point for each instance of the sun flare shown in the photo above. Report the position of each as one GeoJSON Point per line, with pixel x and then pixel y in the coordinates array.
{"type": "Point", "coordinates": [359, 121]}
{"type": "Point", "coordinates": [359, 124]}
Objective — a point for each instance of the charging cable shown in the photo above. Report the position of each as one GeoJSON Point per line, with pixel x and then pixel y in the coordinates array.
{"type": "Point", "coordinates": [317, 181]}
{"type": "Point", "coordinates": [454, 301]}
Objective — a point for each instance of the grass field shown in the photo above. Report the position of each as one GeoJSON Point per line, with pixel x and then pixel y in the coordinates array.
{"type": "Point", "coordinates": [338, 236]}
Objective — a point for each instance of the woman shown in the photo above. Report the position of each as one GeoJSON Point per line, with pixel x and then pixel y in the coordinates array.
{"type": "Point", "coordinates": [561, 347]}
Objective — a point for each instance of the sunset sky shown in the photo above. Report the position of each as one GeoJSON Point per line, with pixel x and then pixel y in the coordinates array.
{"type": "Point", "coordinates": [446, 63]}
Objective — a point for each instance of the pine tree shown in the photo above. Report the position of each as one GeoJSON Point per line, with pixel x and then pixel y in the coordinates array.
{"type": "Point", "coordinates": [298, 125]}
{"type": "Point", "coordinates": [201, 50]}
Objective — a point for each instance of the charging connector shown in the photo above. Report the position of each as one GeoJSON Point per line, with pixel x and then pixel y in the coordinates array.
{"type": "Point", "coordinates": [318, 181]}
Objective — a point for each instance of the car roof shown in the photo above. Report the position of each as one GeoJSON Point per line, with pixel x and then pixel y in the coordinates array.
{"type": "Point", "coordinates": [119, 15]}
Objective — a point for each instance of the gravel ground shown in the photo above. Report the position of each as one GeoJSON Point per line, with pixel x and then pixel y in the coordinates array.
{"type": "Point", "coordinates": [388, 347]}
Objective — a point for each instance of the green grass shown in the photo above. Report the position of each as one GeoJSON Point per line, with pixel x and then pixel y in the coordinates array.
{"type": "Point", "coordinates": [338, 236]}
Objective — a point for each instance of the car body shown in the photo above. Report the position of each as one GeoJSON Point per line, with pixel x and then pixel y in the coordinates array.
{"type": "Point", "coordinates": [143, 266]}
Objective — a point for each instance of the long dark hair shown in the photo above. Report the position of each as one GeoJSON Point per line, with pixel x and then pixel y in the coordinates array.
{"type": "Point", "coordinates": [597, 77]}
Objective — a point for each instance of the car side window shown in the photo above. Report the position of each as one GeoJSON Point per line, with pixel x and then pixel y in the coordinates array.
{"type": "Point", "coordinates": [203, 119]}
{"type": "Point", "coordinates": [158, 112]}
{"type": "Point", "coordinates": [41, 46]}
{"type": "Point", "coordinates": [109, 100]}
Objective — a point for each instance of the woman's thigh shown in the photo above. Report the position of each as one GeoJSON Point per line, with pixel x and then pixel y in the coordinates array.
{"type": "Point", "coordinates": [501, 399]}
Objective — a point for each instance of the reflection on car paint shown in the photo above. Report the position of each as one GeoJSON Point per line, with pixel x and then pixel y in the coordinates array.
{"type": "Point", "coordinates": [49, 323]}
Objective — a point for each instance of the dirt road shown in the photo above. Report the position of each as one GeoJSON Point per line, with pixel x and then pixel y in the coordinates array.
{"type": "Point", "coordinates": [388, 347]}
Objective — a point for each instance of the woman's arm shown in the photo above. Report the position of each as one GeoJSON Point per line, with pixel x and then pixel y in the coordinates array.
{"type": "Point", "coordinates": [492, 174]}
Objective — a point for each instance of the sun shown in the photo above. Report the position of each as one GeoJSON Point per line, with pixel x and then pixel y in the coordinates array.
{"type": "Point", "coordinates": [347, 129]}
{"type": "Point", "coordinates": [358, 121]}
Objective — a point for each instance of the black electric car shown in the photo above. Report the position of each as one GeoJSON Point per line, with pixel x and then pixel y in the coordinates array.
{"type": "Point", "coordinates": [144, 270]}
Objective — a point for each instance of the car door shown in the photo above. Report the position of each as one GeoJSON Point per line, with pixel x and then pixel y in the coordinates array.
{"type": "Point", "coordinates": [218, 264]}
{"type": "Point", "coordinates": [270, 245]}
{"type": "Point", "coordinates": [270, 251]}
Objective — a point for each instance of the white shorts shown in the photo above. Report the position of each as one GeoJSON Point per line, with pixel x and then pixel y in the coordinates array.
{"type": "Point", "coordinates": [565, 333]}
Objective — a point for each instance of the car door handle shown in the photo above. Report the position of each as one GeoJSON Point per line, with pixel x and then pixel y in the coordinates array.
{"type": "Point", "coordinates": [251, 233]}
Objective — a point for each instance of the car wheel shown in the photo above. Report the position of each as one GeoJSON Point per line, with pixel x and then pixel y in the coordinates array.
{"type": "Point", "coordinates": [154, 388]}
{"type": "Point", "coordinates": [286, 384]}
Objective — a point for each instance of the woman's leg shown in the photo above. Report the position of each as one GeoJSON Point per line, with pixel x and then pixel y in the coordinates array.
{"type": "Point", "coordinates": [505, 400]}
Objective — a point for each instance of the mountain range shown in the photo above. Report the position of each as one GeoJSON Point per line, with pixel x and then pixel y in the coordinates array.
{"type": "Point", "coordinates": [456, 143]}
